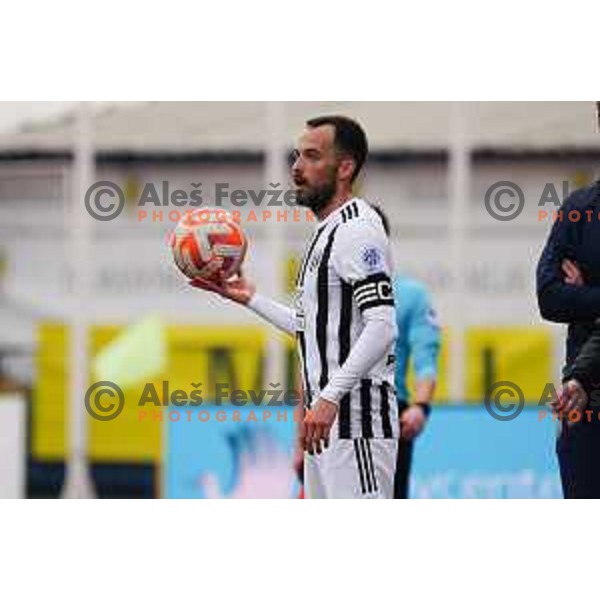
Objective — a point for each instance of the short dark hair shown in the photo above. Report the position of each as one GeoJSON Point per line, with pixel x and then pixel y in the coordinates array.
{"type": "Point", "coordinates": [350, 138]}
{"type": "Point", "coordinates": [384, 220]}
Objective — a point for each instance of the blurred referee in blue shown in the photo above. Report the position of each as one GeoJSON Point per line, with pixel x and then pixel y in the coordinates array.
{"type": "Point", "coordinates": [419, 341]}
{"type": "Point", "coordinates": [568, 289]}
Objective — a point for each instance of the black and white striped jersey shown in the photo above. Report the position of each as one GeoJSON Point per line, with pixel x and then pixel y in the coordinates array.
{"type": "Point", "coordinates": [344, 283]}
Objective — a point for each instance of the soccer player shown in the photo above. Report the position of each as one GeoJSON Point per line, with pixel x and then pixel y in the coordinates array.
{"type": "Point", "coordinates": [419, 342]}
{"type": "Point", "coordinates": [344, 320]}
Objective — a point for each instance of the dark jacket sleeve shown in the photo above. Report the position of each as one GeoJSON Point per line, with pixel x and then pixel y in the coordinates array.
{"type": "Point", "coordinates": [586, 368]}
{"type": "Point", "coordinates": [558, 301]}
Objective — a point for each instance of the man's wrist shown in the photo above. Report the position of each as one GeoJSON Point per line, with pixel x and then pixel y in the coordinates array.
{"type": "Point", "coordinates": [255, 301]}
{"type": "Point", "coordinates": [328, 398]}
{"type": "Point", "coordinates": [425, 407]}
{"type": "Point", "coordinates": [403, 405]}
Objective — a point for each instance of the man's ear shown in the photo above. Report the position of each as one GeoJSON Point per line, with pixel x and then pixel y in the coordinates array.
{"type": "Point", "coordinates": [346, 168]}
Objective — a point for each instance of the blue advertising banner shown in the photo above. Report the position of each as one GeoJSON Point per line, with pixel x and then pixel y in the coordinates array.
{"type": "Point", "coordinates": [221, 452]}
{"type": "Point", "coordinates": [212, 452]}
{"type": "Point", "coordinates": [465, 453]}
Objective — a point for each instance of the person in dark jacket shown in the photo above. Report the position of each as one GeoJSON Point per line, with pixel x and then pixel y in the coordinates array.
{"type": "Point", "coordinates": [568, 289]}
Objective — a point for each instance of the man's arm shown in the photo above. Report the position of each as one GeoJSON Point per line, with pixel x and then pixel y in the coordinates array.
{"type": "Point", "coordinates": [424, 339]}
{"type": "Point", "coordinates": [280, 315]}
{"type": "Point", "coordinates": [372, 345]}
{"type": "Point", "coordinates": [581, 378]}
{"type": "Point", "coordinates": [242, 291]}
{"type": "Point", "coordinates": [586, 368]}
{"type": "Point", "coordinates": [559, 301]}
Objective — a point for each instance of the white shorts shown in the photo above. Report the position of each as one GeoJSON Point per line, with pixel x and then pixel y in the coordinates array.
{"type": "Point", "coordinates": [361, 468]}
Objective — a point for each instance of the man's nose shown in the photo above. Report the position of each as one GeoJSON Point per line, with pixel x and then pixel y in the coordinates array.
{"type": "Point", "coordinates": [297, 165]}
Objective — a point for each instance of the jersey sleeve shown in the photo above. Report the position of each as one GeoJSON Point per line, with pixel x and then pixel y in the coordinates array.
{"type": "Point", "coordinates": [361, 258]}
{"type": "Point", "coordinates": [274, 312]}
{"type": "Point", "coordinates": [424, 336]}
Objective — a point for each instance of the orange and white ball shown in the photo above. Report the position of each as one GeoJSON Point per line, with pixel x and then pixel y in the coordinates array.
{"type": "Point", "coordinates": [207, 243]}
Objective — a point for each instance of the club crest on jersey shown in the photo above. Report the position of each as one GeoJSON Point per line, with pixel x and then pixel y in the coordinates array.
{"type": "Point", "coordinates": [372, 258]}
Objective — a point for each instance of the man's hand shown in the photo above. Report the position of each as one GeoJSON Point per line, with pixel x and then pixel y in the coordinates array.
{"type": "Point", "coordinates": [237, 288]}
{"type": "Point", "coordinates": [571, 398]}
{"type": "Point", "coordinates": [572, 273]}
{"type": "Point", "coordinates": [317, 423]}
{"type": "Point", "coordinates": [412, 422]}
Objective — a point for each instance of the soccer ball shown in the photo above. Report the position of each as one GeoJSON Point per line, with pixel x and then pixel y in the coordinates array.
{"type": "Point", "coordinates": [207, 243]}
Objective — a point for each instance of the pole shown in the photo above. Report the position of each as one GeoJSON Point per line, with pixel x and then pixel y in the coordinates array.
{"type": "Point", "coordinates": [276, 173]}
{"type": "Point", "coordinates": [78, 483]}
{"type": "Point", "coordinates": [459, 186]}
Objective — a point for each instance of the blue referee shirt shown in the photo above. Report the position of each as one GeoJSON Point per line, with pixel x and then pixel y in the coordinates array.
{"type": "Point", "coordinates": [419, 335]}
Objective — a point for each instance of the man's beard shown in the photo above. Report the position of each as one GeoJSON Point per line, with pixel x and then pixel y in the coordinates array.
{"type": "Point", "coordinates": [316, 198]}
